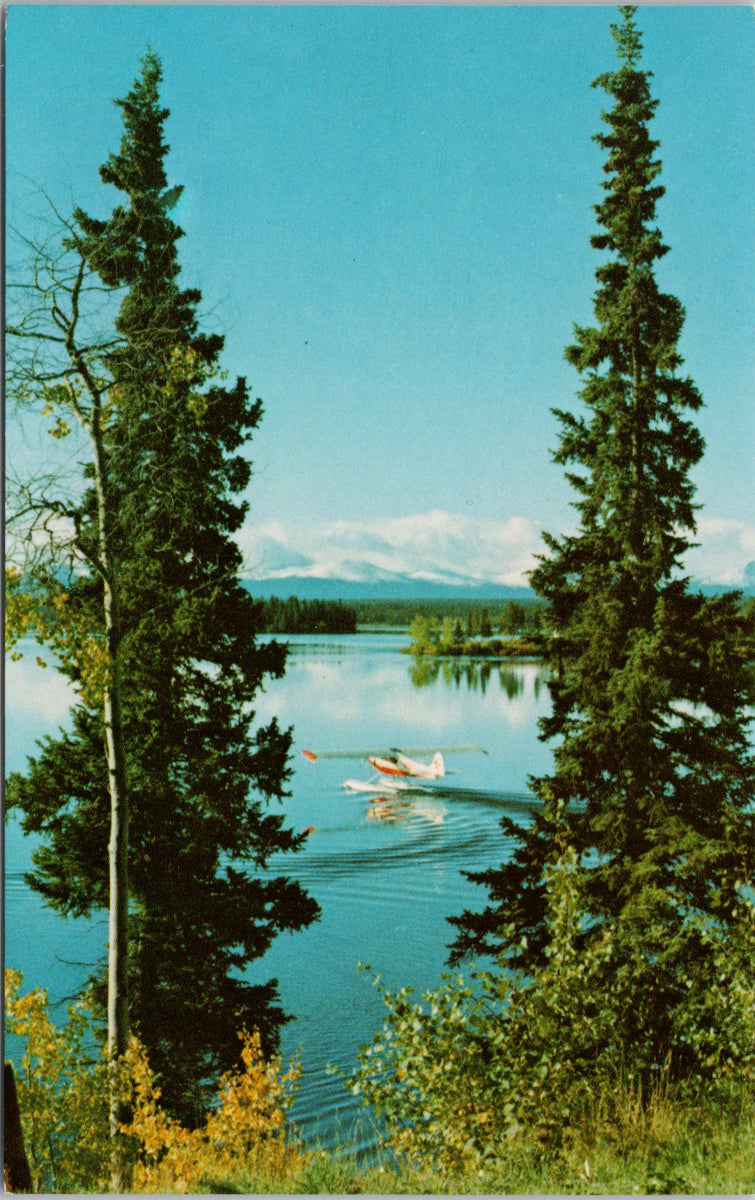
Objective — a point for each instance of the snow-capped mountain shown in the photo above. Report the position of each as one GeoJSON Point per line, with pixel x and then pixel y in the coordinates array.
{"type": "Point", "coordinates": [438, 553]}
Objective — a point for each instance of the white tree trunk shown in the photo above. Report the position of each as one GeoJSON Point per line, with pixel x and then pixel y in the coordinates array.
{"type": "Point", "coordinates": [117, 1006]}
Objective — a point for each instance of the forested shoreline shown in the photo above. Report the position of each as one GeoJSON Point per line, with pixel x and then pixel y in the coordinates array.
{"type": "Point", "coordinates": [307, 616]}
{"type": "Point", "coordinates": [467, 619]}
{"type": "Point", "coordinates": [448, 627]}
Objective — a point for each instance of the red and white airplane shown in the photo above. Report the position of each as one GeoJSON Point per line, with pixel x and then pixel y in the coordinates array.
{"type": "Point", "coordinates": [395, 767]}
{"type": "Point", "coordinates": [400, 764]}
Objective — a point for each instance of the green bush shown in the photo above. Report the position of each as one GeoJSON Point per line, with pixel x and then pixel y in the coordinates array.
{"type": "Point", "coordinates": [478, 1067]}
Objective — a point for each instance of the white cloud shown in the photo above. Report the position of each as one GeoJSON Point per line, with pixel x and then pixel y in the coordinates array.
{"type": "Point", "coordinates": [436, 545]}
{"type": "Point", "coordinates": [34, 692]}
{"type": "Point", "coordinates": [440, 546]}
{"type": "Point", "coordinates": [726, 549]}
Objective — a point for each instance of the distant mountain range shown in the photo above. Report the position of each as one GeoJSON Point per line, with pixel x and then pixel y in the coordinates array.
{"type": "Point", "coordinates": [383, 587]}
{"type": "Point", "coordinates": [380, 585]}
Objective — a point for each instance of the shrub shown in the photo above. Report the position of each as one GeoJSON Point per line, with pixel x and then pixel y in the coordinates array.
{"type": "Point", "coordinates": [63, 1097]}
{"type": "Point", "coordinates": [62, 1093]}
{"type": "Point", "coordinates": [247, 1127]}
{"type": "Point", "coordinates": [481, 1064]}
{"type": "Point", "coordinates": [477, 1067]}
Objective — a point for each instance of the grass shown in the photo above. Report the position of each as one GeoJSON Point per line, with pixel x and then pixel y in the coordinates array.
{"type": "Point", "coordinates": [663, 1147]}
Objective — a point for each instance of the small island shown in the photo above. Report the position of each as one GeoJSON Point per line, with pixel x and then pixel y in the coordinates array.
{"type": "Point", "coordinates": [519, 630]}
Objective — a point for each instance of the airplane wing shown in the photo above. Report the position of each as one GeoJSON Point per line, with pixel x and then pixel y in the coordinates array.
{"type": "Point", "coordinates": [312, 755]}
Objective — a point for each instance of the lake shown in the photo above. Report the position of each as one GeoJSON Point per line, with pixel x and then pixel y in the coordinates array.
{"type": "Point", "coordinates": [386, 870]}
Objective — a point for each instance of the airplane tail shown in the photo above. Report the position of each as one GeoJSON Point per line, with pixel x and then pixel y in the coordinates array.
{"type": "Point", "coordinates": [437, 766]}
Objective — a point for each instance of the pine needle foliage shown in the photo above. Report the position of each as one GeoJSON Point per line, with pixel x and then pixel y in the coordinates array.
{"type": "Point", "coordinates": [202, 775]}
{"type": "Point", "coordinates": [653, 779]}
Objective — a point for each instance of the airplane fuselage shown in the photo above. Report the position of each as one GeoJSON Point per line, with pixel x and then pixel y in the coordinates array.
{"type": "Point", "coordinates": [400, 764]}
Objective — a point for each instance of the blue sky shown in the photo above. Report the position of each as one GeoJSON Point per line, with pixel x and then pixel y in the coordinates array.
{"type": "Point", "coordinates": [388, 211]}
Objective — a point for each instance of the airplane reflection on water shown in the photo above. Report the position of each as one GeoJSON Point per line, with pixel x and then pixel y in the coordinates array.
{"type": "Point", "coordinates": [394, 808]}
{"type": "Point", "coordinates": [417, 802]}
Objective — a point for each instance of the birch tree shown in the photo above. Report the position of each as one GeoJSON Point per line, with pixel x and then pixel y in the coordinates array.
{"type": "Point", "coordinates": [201, 774]}
{"type": "Point", "coordinates": [65, 379]}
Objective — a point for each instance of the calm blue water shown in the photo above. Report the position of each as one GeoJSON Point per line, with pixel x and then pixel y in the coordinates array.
{"type": "Point", "coordinates": [385, 871]}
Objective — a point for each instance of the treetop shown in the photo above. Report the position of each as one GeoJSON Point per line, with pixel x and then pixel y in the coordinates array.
{"type": "Point", "coordinates": [627, 36]}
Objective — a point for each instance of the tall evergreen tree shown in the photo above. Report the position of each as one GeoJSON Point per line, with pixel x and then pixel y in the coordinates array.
{"type": "Point", "coordinates": [200, 776]}
{"type": "Point", "coordinates": [652, 782]}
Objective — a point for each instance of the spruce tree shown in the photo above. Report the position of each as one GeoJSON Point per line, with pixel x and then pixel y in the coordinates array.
{"type": "Point", "coordinates": [652, 783]}
{"type": "Point", "coordinates": [200, 775]}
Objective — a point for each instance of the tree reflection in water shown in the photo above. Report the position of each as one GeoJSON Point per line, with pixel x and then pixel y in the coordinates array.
{"type": "Point", "coordinates": [476, 673]}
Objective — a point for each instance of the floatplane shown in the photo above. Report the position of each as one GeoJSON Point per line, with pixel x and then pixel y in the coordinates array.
{"type": "Point", "coordinates": [396, 770]}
